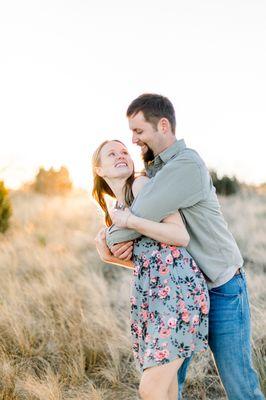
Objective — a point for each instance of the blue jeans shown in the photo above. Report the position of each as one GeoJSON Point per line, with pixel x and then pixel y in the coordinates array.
{"type": "Point", "coordinates": [229, 340]}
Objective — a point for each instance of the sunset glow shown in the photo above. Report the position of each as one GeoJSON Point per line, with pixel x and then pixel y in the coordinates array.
{"type": "Point", "coordinates": [70, 69]}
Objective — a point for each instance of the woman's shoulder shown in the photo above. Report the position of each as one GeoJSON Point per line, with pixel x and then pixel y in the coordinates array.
{"type": "Point", "coordinates": [138, 183]}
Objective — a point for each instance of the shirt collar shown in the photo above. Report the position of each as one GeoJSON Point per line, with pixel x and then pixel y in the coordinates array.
{"type": "Point", "coordinates": [171, 151]}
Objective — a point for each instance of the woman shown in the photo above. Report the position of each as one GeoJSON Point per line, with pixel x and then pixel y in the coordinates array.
{"type": "Point", "coordinates": [169, 297]}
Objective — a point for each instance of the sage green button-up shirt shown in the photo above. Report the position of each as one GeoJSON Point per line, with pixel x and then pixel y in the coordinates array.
{"type": "Point", "coordinates": [181, 181]}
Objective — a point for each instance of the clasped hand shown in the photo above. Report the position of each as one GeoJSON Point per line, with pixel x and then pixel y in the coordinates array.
{"type": "Point", "coordinates": [120, 217]}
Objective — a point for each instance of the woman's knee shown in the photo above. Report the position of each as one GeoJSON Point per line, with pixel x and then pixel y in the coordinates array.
{"type": "Point", "coordinates": [148, 387]}
{"type": "Point", "coordinates": [155, 381]}
{"type": "Point", "coordinates": [149, 390]}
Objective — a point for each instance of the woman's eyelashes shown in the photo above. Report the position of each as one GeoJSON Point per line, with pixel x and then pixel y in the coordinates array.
{"type": "Point", "coordinates": [113, 153]}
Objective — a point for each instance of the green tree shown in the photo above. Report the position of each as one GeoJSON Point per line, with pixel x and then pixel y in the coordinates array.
{"type": "Point", "coordinates": [226, 185]}
{"type": "Point", "coordinates": [52, 181]}
{"type": "Point", "coordinates": [5, 208]}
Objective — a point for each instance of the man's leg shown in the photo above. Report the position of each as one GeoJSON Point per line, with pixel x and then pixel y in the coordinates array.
{"type": "Point", "coordinates": [181, 375]}
{"type": "Point", "coordinates": [229, 339]}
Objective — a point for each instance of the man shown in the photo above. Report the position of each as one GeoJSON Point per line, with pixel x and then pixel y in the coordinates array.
{"type": "Point", "coordinates": [181, 181]}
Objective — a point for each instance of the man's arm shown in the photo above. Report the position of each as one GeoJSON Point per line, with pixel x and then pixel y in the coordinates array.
{"type": "Point", "coordinates": [181, 183]}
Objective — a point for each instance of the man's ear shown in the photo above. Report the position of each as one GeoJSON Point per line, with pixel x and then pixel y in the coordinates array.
{"type": "Point", "coordinates": [163, 125]}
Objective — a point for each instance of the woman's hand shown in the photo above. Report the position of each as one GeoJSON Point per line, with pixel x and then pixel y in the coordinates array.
{"type": "Point", "coordinates": [121, 217]}
{"type": "Point", "coordinates": [101, 246]}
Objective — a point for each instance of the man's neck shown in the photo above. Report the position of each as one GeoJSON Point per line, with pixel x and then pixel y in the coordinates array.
{"type": "Point", "coordinates": [164, 146]}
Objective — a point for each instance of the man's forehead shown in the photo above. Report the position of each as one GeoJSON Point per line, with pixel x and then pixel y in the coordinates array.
{"type": "Point", "coordinates": [136, 120]}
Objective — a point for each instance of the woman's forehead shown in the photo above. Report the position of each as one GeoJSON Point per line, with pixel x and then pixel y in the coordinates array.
{"type": "Point", "coordinates": [113, 145]}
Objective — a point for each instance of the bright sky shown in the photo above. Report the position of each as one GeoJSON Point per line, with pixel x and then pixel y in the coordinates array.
{"type": "Point", "coordinates": [69, 69]}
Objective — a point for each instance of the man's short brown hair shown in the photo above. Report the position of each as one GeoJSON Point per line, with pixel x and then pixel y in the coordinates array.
{"type": "Point", "coordinates": [154, 107]}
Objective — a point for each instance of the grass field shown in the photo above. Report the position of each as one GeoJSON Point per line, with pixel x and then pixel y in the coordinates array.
{"type": "Point", "coordinates": [64, 321]}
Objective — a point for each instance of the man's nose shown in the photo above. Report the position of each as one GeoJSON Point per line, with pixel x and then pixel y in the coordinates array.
{"type": "Point", "coordinates": [134, 139]}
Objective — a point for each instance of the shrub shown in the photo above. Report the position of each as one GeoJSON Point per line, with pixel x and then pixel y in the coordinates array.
{"type": "Point", "coordinates": [226, 185]}
{"type": "Point", "coordinates": [5, 208]}
{"type": "Point", "coordinates": [52, 181]}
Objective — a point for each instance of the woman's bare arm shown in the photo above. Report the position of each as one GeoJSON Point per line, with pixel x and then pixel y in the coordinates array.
{"type": "Point", "coordinates": [171, 230]}
{"type": "Point", "coordinates": [107, 256]}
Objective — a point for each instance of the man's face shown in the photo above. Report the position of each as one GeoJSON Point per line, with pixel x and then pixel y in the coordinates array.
{"type": "Point", "coordinates": [143, 135]}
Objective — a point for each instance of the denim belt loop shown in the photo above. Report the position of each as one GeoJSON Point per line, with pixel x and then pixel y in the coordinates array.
{"type": "Point", "coordinates": [242, 271]}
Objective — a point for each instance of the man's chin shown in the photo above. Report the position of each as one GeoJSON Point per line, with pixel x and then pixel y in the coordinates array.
{"type": "Point", "coordinates": [146, 153]}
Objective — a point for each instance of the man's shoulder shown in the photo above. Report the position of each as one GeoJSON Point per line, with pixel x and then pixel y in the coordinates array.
{"type": "Point", "coordinates": [187, 155]}
{"type": "Point", "coordinates": [138, 184]}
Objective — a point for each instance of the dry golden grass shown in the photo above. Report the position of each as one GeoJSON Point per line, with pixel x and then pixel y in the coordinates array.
{"type": "Point", "coordinates": [64, 320]}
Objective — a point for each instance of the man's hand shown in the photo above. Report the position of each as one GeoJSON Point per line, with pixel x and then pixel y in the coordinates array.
{"type": "Point", "coordinates": [123, 250]}
{"type": "Point", "coordinates": [101, 245]}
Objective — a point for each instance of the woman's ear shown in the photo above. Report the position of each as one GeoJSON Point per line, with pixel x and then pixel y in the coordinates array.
{"type": "Point", "coordinates": [99, 171]}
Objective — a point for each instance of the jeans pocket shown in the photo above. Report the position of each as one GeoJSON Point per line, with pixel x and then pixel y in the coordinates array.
{"type": "Point", "coordinates": [232, 288]}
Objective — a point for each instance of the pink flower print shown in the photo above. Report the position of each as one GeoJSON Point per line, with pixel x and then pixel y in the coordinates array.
{"type": "Point", "coordinates": [172, 248]}
{"type": "Point", "coordinates": [136, 269]}
{"type": "Point", "coordinates": [163, 293]}
{"type": "Point", "coordinates": [176, 253]}
{"type": "Point", "coordinates": [146, 263]}
{"type": "Point", "coordinates": [163, 270]}
{"type": "Point", "coordinates": [161, 354]}
{"type": "Point", "coordinates": [164, 332]}
{"type": "Point", "coordinates": [185, 316]}
{"type": "Point", "coordinates": [144, 315]}
{"type": "Point", "coordinates": [169, 259]}
{"type": "Point", "coordinates": [172, 322]}
{"type": "Point", "coordinates": [139, 331]}
{"type": "Point", "coordinates": [192, 346]}
{"type": "Point", "coordinates": [202, 297]}
{"type": "Point", "coordinates": [182, 304]}
{"type": "Point", "coordinates": [134, 327]}
{"type": "Point", "coordinates": [147, 353]}
{"type": "Point", "coordinates": [196, 299]}
{"type": "Point", "coordinates": [195, 320]}
{"type": "Point", "coordinates": [204, 308]}
{"type": "Point", "coordinates": [152, 316]}
{"type": "Point", "coordinates": [164, 245]}
{"type": "Point", "coordinates": [147, 338]}
{"type": "Point", "coordinates": [192, 330]}
{"type": "Point", "coordinates": [133, 300]}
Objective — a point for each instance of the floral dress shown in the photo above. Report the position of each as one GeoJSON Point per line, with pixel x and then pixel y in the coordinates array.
{"type": "Point", "coordinates": [169, 304]}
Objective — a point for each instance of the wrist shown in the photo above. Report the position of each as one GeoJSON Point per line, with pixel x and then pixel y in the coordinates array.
{"type": "Point", "coordinates": [131, 221]}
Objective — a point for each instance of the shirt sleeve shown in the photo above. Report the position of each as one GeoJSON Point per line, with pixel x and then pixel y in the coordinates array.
{"type": "Point", "coordinates": [181, 183]}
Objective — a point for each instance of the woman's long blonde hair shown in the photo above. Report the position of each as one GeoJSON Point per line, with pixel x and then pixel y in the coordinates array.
{"type": "Point", "coordinates": [101, 188]}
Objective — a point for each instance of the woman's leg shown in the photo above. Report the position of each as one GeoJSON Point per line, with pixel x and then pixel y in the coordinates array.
{"type": "Point", "coordinates": [173, 389]}
{"type": "Point", "coordinates": [156, 381]}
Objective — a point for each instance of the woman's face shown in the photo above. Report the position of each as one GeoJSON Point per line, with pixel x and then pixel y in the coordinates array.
{"type": "Point", "coordinates": [115, 161]}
